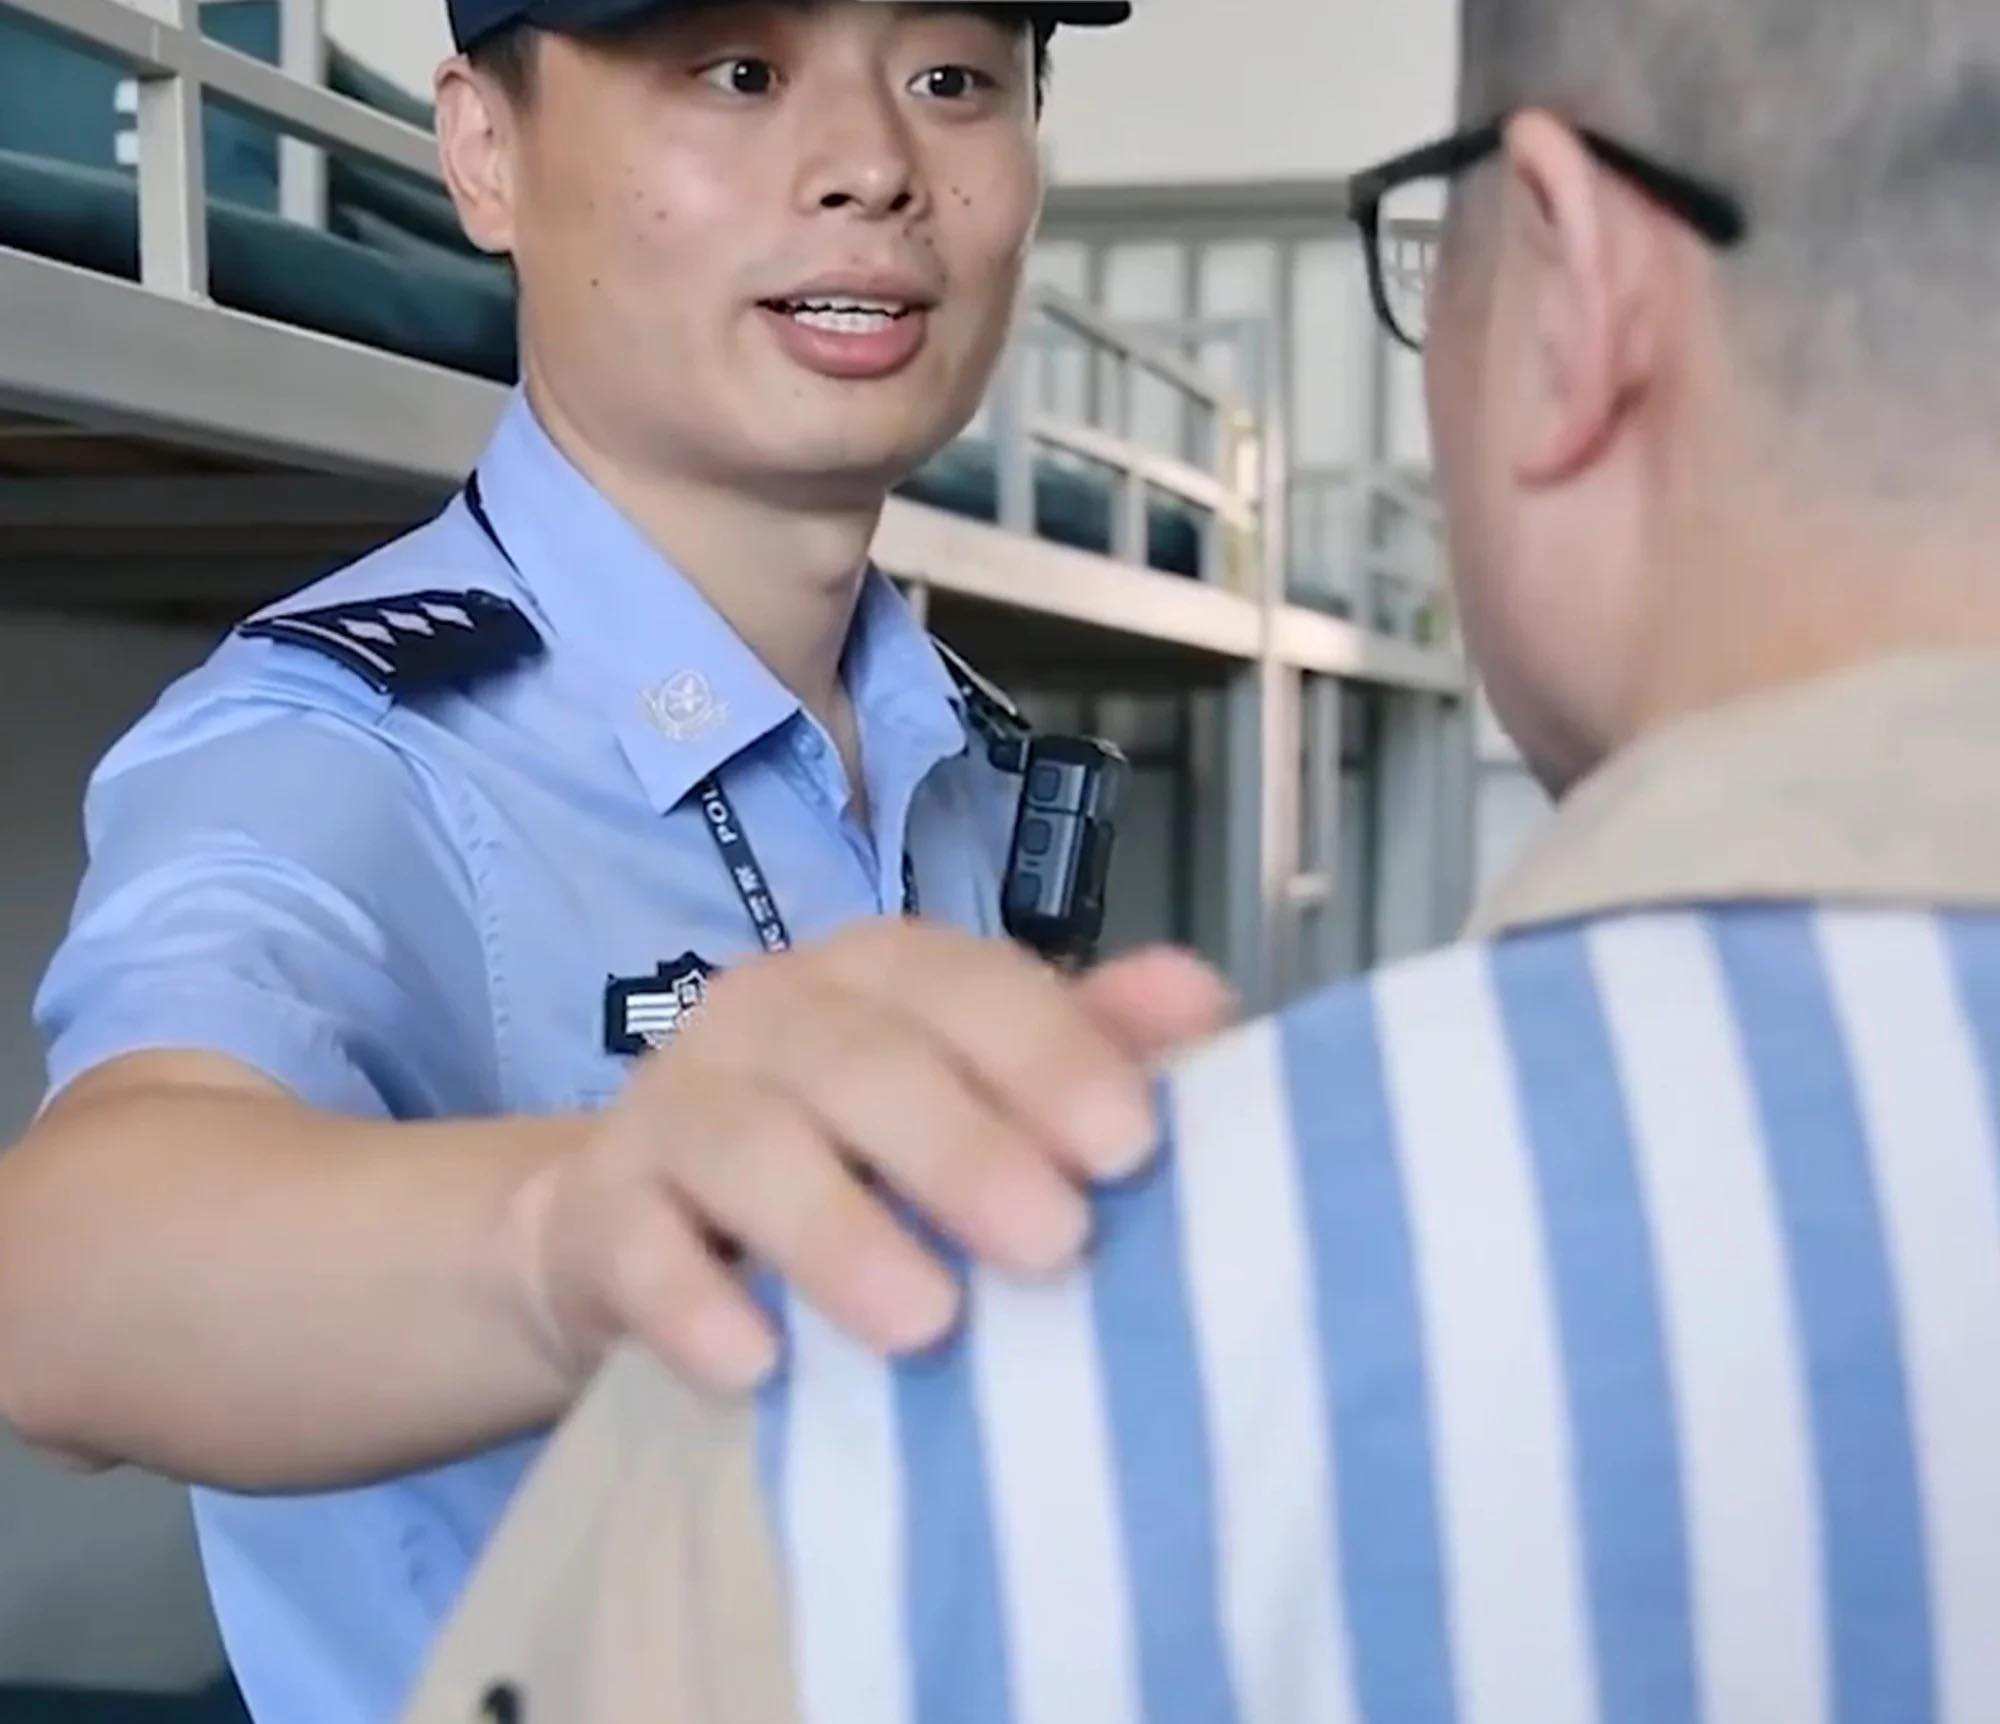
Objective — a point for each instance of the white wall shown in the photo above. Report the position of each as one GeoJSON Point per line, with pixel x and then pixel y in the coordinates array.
{"type": "Point", "coordinates": [1189, 90]}
{"type": "Point", "coordinates": [1250, 89]}
{"type": "Point", "coordinates": [404, 39]}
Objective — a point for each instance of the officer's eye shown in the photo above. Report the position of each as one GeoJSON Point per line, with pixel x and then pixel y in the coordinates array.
{"type": "Point", "coordinates": [954, 83]}
{"type": "Point", "coordinates": [745, 75]}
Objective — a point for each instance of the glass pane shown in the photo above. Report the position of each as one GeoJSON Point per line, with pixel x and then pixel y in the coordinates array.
{"type": "Point", "coordinates": [1145, 283]}
{"type": "Point", "coordinates": [1142, 281]}
{"type": "Point", "coordinates": [1409, 254]}
{"type": "Point", "coordinates": [1059, 377]}
{"type": "Point", "coordinates": [1333, 338]}
{"type": "Point", "coordinates": [1238, 278]}
{"type": "Point", "coordinates": [1328, 533]}
{"type": "Point", "coordinates": [1409, 429]}
{"type": "Point", "coordinates": [1334, 341]}
{"type": "Point", "coordinates": [1062, 264]}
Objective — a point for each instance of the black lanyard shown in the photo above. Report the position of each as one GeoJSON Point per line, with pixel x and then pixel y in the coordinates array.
{"type": "Point", "coordinates": [746, 873]}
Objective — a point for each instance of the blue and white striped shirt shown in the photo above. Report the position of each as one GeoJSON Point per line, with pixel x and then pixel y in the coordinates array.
{"type": "Point", "coordinates": [1597, 1322]}
{"type": "Point", "coordinates": [1600, 1324]}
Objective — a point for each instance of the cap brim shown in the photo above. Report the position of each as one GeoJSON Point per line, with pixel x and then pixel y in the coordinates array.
{"type": "Point", "coordinates": [569, 16]}
{"type": "Point", "coordinates": [1084, 12]}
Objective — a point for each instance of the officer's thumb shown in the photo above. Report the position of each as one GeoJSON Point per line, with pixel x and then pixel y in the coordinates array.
{"type": "Point", "coordinates": [1158, 1000]}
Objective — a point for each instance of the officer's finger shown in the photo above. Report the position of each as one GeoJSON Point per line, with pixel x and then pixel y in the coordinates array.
{"type": "Point", "coordinates": [881, 1086]}
{"type": "Point", "coordinates": [1019, 1029]}
{"type": "Point", "coordinates": [1158, 1000]}
{"type": "Point", "coordinates": [667, 1290]}
{"type": "Point", "coordinates": [758, 1169]}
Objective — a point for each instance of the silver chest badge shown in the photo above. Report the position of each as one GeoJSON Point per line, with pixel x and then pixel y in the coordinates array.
{"type": "Point", "coordinates": [645, 1013]}
{"type": "Point", "coordinates": [684, 708]}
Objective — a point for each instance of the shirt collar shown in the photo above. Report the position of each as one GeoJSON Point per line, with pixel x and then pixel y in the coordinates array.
{"type": "Point", "coordinates": [894, 675]}
{"type": "Point", "coordinates": [684, 692]}
{"type": "Point", "coordinates": [1870, 786]}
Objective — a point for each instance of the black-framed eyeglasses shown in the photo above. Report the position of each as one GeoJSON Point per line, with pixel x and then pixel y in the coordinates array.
{"type": "Point", "coordinates": [1397, 207]}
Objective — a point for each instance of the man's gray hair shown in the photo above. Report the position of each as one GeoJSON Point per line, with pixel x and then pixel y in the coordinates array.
{"type": "Point", "coordinates": [1862, 135]}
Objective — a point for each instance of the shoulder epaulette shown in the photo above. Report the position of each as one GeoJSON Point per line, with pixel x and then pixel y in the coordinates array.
{"type": "Point", "coordinates": [990, 710]}
{"type": "Point", "coordinates": [978, 689]}
{"type": "Point", "coordinates": [410, 641]}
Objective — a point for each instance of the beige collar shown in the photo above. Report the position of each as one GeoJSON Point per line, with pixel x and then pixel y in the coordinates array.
{"type": "Point", "coordinates": [1878, 785]}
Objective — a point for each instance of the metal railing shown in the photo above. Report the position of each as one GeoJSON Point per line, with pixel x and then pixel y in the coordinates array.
{"type": "Point", "coordinates": [1226, 490]}
{"type": "Point", "coordinates": [1368, 543]}
{"type": "Point", "coordinates": [159, 42]}
{"type": "Point", "coordinates": [176, 69]}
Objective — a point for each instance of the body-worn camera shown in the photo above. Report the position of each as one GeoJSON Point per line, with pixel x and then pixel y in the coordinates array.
{"type": "Point", "coordinates": [1061, 859]}
{"type": "Point", "coordinates": [1052, 899]}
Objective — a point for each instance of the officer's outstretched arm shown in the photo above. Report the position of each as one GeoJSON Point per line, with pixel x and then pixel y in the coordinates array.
{"type": "Point", "coordinates": [202, 1275]}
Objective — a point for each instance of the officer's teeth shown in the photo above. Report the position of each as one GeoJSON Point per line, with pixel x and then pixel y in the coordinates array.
{"type": "Point", "coordinates": [858, 318]}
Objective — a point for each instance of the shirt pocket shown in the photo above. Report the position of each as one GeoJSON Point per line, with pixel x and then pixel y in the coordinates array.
{"type": "Point", "coordinates": [601, 1082]}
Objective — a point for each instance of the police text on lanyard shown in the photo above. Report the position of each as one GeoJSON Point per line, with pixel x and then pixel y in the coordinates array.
{"type": "Point", "coordinates": [746, 873]}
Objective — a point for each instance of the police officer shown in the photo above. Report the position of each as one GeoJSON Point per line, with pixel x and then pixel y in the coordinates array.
{"type": "Point", "coordinates": [502, 948]}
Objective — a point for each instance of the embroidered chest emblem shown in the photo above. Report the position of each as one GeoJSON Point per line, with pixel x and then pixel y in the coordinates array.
{"type": "Point", "coordinates": [685, 708]}
{"type": "Point", "coordinates": [645, 1013]}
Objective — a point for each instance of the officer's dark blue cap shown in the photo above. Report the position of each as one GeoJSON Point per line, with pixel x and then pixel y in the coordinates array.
{"type": "Point", "coordinates": [473, 19]}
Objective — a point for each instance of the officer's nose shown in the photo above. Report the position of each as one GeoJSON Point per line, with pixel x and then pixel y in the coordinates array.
{"type": "Point", "coordinates": [865, 158]}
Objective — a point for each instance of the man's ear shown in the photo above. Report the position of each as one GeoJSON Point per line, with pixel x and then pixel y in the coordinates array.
{"type": "Point", "coordinates": [1591, 291]}
{"type": "Point", "coordinates": [476, 129]}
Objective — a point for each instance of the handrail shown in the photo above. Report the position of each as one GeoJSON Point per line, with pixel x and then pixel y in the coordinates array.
{"type": "Point", "coordinates": [1161, 472]}
{"type": "Point", "coordinates": [1162, 362]}
{"type": "Point", "coordinates": [160, 43]}
{"type": "Point", "coordinates": [158, 49]}
{"type": "Point", "coordinates": [1406, 486]}
{"type": "Point", "coordinates": [1230, 493]}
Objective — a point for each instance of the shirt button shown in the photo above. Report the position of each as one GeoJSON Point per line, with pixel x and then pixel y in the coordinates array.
{"type": "Point", "coordinates": [811, 744]}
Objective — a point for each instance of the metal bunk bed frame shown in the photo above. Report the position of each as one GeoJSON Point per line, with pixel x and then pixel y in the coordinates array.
{"type": "Point", "coordinates": [156, 359]}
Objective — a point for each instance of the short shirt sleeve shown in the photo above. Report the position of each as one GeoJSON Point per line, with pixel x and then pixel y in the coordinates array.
{"type": "Point", "coordinates": [279, 881]}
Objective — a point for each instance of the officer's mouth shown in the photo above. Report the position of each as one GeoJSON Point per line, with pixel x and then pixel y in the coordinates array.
{"type": "Point", "coordinates": [850, 333]}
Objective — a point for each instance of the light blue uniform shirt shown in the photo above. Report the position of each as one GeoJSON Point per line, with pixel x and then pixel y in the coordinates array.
{"type": "Point", "coordinates": [412, 908]}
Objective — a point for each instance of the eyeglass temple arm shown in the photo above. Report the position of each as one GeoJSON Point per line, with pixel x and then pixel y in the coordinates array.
{"type": "Point", "coordinates": [1365, 192]}
{"type": "Point", "coordinates": [1716, 215]}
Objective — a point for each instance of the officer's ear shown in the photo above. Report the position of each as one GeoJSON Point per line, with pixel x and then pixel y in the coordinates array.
{"type": "Point", "coordinates": [477, 129]}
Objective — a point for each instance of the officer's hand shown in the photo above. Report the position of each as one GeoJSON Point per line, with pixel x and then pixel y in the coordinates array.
{"type": "Point", "coordinates": [958, 1073]}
